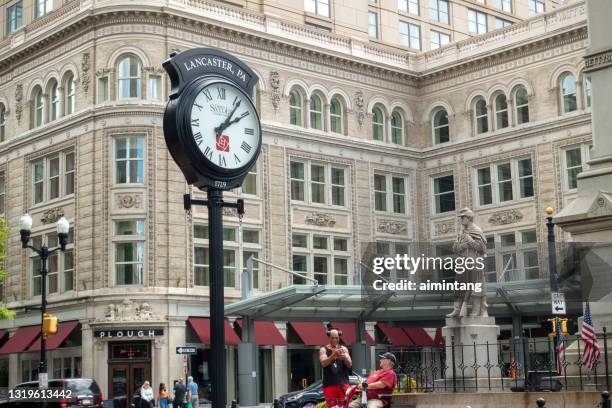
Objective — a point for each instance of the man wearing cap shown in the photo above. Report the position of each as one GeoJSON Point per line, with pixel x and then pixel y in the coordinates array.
{"type": "Point", "coordinates": [336, 363]}
{"type": "Point", "coordinates": [379, 383]}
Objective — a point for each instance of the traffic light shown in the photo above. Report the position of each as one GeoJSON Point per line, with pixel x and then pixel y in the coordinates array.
{"type": "Point", "coordinates": [49, 325]}
{"type": "Point", "coordinates": [551, 325]}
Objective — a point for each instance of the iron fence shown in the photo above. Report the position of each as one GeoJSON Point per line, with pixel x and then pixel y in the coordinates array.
{"type": "Point", "coordinates": [517, 364]}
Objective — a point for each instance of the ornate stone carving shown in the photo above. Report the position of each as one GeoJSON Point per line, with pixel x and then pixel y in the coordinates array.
{"type": "Point", "coordinates": [443, 228]}
{"type": "Point", "coordinates": [320, 219]}
{"type": "Point", "coordinates": [154, 70]}
{"type": "Point", "coordinates": [230, 211]}
{"type": "Point", "coordinates": [85, 67]}
{"type": "Point", "coordinates": [359, 104]}
{"type": "Point", "coordinates": [275, 86]}
{"type": "Point", "coordinates": [129, 200]}
{"type": "Point", "coordinates": [52, 215]}
{"type": "Point", "coordinates": [505, 217]}
{"type": "Point", "coordinates": [103, 72]}
{"type": "Point", "coordinates": [598, 61]}
{"type": "Point", "coordinates": [391, 227]}
{"type": "Point", "coordinates": [128, 311]}
{"type": "Point", "coordinates": [18, 101]}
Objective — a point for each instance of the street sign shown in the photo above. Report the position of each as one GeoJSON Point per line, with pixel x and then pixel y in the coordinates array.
{"type": "Point", "coordinates": [43, 380]}
{"type": "Point", "coordinates": [558, 303]}
{"type": "Point", "coordinates": [186, 350]}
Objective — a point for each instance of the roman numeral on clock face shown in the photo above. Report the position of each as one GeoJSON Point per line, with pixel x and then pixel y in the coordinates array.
{"type": "Point", "coordinates": [198, 138]}
{"type": "Point", "coordinates": [206, 93]}
{"type": "Point", "coordinates": [249, 131]}
{"type": "Point", "coordinates": [236, 159]}
{"type": "Point", "coordinates": [246, 147]}
{"type": "Point", "coordinates": [195, 122]}
{"type": "Point", "coordinates": [208, 153]}
{"type": "Point", "coordinates": [222, 161]}
{"type": "Point", "coordinates": [221, 93]}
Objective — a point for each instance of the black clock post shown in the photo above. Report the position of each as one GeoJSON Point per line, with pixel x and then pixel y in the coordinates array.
{"type": "Point", "coordinates": [213, 159]}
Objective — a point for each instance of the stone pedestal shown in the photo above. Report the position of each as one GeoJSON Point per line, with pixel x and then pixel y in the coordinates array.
{"type": "Point", "coordinates": [466, 347]}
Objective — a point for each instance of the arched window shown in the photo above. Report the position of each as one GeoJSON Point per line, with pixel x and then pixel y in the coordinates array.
{"type": "Point", "coordinates": [521, 103]}
{"type": "Point", "coordinates": [38, 105]}
{"type": "Point", "coordinates": [587, 92]}
{"type": "Point", "coordinates": [335, 115]}
{"type": "Point", "coordinates": [500, 106]}
{"type": "Point", "coordinates": [440, 127]}
{"type": "Point", "coordinates": [568, 93]}
{"type": "Point", "coordinates": [2, 122]}
{"type": "Point", "coordinates": [295, 108]}
{"type": "Point", "coordinates": [378, 124]}
{"type": "Point", "coordinates": [70, 94]}
{"type": "Point", "coordinates": [129, 78]}
{"type": "Point", "coordinates": [397, 128]}
{"type": "Point", "coordinates": [54, 101]}
{"type": "Point", "coordinates": [316, 112]}
{"type": "Point", "coordinates": [481, 116]}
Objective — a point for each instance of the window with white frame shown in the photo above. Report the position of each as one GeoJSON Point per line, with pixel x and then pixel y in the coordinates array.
{"type": "Point", "coordinates": [319, 7]}
{"type": "Point", "coordinates": [397, 128]}
{"type": "Point", "coordinates": [323, 257]}
{"type": "Point", "coordinates": [438, 11]}
{"type": "Point", "coordinates": [103, 89]}
{"type": "Point", "coordinates": [295, 108]}
{"type": "Point", "coordinates": [391, 249]}
{"type": "Point", "coordinates": [43, 7]}
{"type": "Point", "coordinates": [372, 24]}
{"type": "Point", "coordinates": [2, 123]}
{"type": "Point", "coordinates": [129, 251]}
{"type": "Point", "coordinates": [60, 265]}
{"type": "Point", "coordinates": [38, 107]}
{"type": "Point", "coordinates": [250, 185]}
{"type": "Point", "coordinates": [440, 126]}
{"type": "Point", "coordinates": [477, 22]}
{"type": "Point", "coordinates": [54, 101]}
{"type": "Point", "coordinates": [574, 162]}
{"type": "Point", "coordinates": [504, 5]}
{"type": "Point", "coordinates": [129, 156]}
{"type": "Point", "coordinates": [409, 6]}
{"type": "Point", "coordinates": [503, 182]}
{"type": "Point", "coordinates": [521, 103]}
{"type": "Point", "coordinates": [568, 93]}
{"type": "Point", "coordinates": [536, 7]}
{"type": "Point", "coordinates": [316, 112]}
{"type": "Point", "coordinates": [239, 244]}
{"type": "Point", "coordinates": [516, 255]}
{"type": "Point", "coordinates": [14, 17]}
{"type": "Point", "coordinates": [444, 194]}
{"type": "Point", "coordinates": [129, 77]}
{"type": "Point", "coordinates": [2, 194]}
{"type": "Point", "coordinates": [481, 117]}
{"type": "Point", "coordinates": [155, 84]}
{"type": "Point", "coordinates": [318, 183]}
{"type": "Point", "coordinates": [500, 111]}
{"type": "Point", "coordinates": [410, 35]}
{"type": "Point", "coordinates": [438, 39]}
{"type": "Point", "coordinates": [53, 176]}
{"type": "Point", "coordinates": [501, 23]}
{"type": "Point", "coordinates": [390, 193]}
{"type": "Point", "coordinates": [587, 91]}
{"type": "Point", "coordinates": [378, 124]}
{"type": "Point", "coordinates": [29, 368]}
{"type": "Point", "coordinates": [67, 367]}
{"type": "Point", "coordinates": [70, 94]}
{"type": "Point", "coordinates": [336, 115]}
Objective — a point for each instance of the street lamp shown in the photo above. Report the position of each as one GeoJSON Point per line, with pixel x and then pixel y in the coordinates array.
{"type": "Point", "coordinates": [552, 252]}
{"type": "Point", "coordinates": [25, 228]}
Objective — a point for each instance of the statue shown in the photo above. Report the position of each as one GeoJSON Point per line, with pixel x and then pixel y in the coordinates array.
{"type": "Point", "coordinates": [111, 313]}
{"type": "Point", "coordinates": [470, 243]}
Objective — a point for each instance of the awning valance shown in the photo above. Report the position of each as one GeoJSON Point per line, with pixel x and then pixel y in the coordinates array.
{"type": "Point", "coordinates": [201, 325]}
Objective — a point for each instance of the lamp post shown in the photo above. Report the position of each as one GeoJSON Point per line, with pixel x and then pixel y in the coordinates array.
{"type": "Point", "coordinates": [552, 253]}
{"type": "Point", "coordinates": [25, 228]}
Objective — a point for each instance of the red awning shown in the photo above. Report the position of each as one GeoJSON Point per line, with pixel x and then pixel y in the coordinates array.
{"type": "Point", "coordinates": [311, 333]}
{"type": "Point", "coordinates": [419, 336]}
{"type": "Point", "coordinates": [349, 333]}
{"type": "Point", "coordinates": [266, 334]}
{"type": "Point", "coordinates": [23, 337]}
{"type": "Point", "coordinates": [53, 342]}
{"type": "Point", "coordinates": [439, 339]}
{"type": "Point", "coordinates": [201, 325]}
{"type": "Point", "coordinates": [396, 335]}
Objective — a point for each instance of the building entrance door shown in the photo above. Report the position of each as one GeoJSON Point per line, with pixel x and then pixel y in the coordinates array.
{"type": "Point", "coordinates": [129, 367]}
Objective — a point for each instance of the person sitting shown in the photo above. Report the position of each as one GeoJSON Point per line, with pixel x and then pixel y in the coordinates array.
{"type": "Point", "coordinates": [146, 395]}
{"type": "Point", "coordinates": [379, 384]}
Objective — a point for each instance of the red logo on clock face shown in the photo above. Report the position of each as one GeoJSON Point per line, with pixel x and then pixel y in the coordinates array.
{"type": "Point", "coordinates": [223, 143]}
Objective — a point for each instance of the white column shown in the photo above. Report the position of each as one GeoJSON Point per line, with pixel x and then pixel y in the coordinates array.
{"type": "Point", "coordinates": [280, 383]}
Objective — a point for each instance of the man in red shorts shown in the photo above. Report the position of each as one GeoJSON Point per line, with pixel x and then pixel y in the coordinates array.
{"type": "Point", "coordinates": [379, 383]}
{"type": "Point", "coordinates": [336, 363]}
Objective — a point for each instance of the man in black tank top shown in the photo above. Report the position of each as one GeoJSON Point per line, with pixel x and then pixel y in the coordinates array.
{"type": "Point", "coordinates": [336, 363]}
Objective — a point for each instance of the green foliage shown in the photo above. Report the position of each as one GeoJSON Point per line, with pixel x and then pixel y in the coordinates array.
{"type": "Point", "coordinates": [4, 231]}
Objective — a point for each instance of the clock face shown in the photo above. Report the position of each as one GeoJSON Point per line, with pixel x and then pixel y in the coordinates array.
{"type": "Point", "coordinates": [225, 126]}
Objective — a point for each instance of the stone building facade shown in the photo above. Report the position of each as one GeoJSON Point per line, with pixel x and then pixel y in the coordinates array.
{"type": "Point", "coordinates": [363, 142]}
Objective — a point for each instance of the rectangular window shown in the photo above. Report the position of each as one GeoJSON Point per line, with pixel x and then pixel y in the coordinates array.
{"type": "Point", "coordinates": [320, 7]}
{"type": "Point", "coordinates": [129, 155]}
{"type": "Point", "coordinates": [501, 23]}
{"type": "Point", "coordinates": [394, 202]}
{"type": "Point", "coordinates": [438, 11]}
{"type": "Point", "coordinates": [380, 192]}
{"type": "Point", "coordinates": [438, 39]}
{"type": "Point", "coordinates": [325, 258]}
{"type": "Point", "coordinates": [372, 24]}
{"type": "Point", "coordinates": [53, 177]}
{"type": "Point", "coordinates": [318, 183]}
{"type": "Point", "coordinates": [14, 17]}
{"type": "Point", "coordinates": [575, 160]}
{"type": "Point", "coordinates": [410, 35]}
{"type": "Point", "coordinates": [444, 194]}
{"type": "Point", "coordinates": [297, 181]}
{"type": "Point", "coordinates": [60, 265]}
{"type": "Point", "coordinates": [249, 185]}
{"type": "Point", "coordinates": [536, 7]}
{"type": "Point", "coordinates": [409, 6]}
{"type": "Point", "coordinates": [155, 84]}
{"type": "Point", "coordinates": [399, 194]}
{"type": "Point", "coordinates": [525, 175]}
{"type": "Point", "coordinates": [477, 22]}
{"type": "Point", "coordinates": [129, 251]}
{"type": "Point", "coordinates": [485, 188]}
{"type": "Point", "coordinates": [337, 185]}
{"type": "Point", "coordinates": [504, 181]}
{"type": "Point", "coordinates": [504, 5]}
{"type": "Point", "coordinates": [515, 254]}
{"type": "Point", "coordinates": [103, 89]}
{"type": "Point", "coordinates": [43, 7]}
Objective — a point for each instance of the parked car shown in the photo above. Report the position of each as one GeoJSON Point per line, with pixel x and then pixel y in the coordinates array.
{"type": "Point", "coordinates": [310, 396]}
{"type": "Point", "coordinates": [85, 394]}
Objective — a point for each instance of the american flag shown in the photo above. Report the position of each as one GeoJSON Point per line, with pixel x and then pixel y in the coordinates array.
{"type": "Point", "coordinates": [591, 353]}
{"type": "Point", "coordinates": [560, 348]}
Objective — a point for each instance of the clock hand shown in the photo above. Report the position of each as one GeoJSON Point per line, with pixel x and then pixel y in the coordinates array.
{"type": "Point", "coordinates": [226, 122]}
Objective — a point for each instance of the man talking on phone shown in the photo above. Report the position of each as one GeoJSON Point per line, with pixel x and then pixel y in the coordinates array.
{"type": "Point", "coordinates": [336, 363]}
